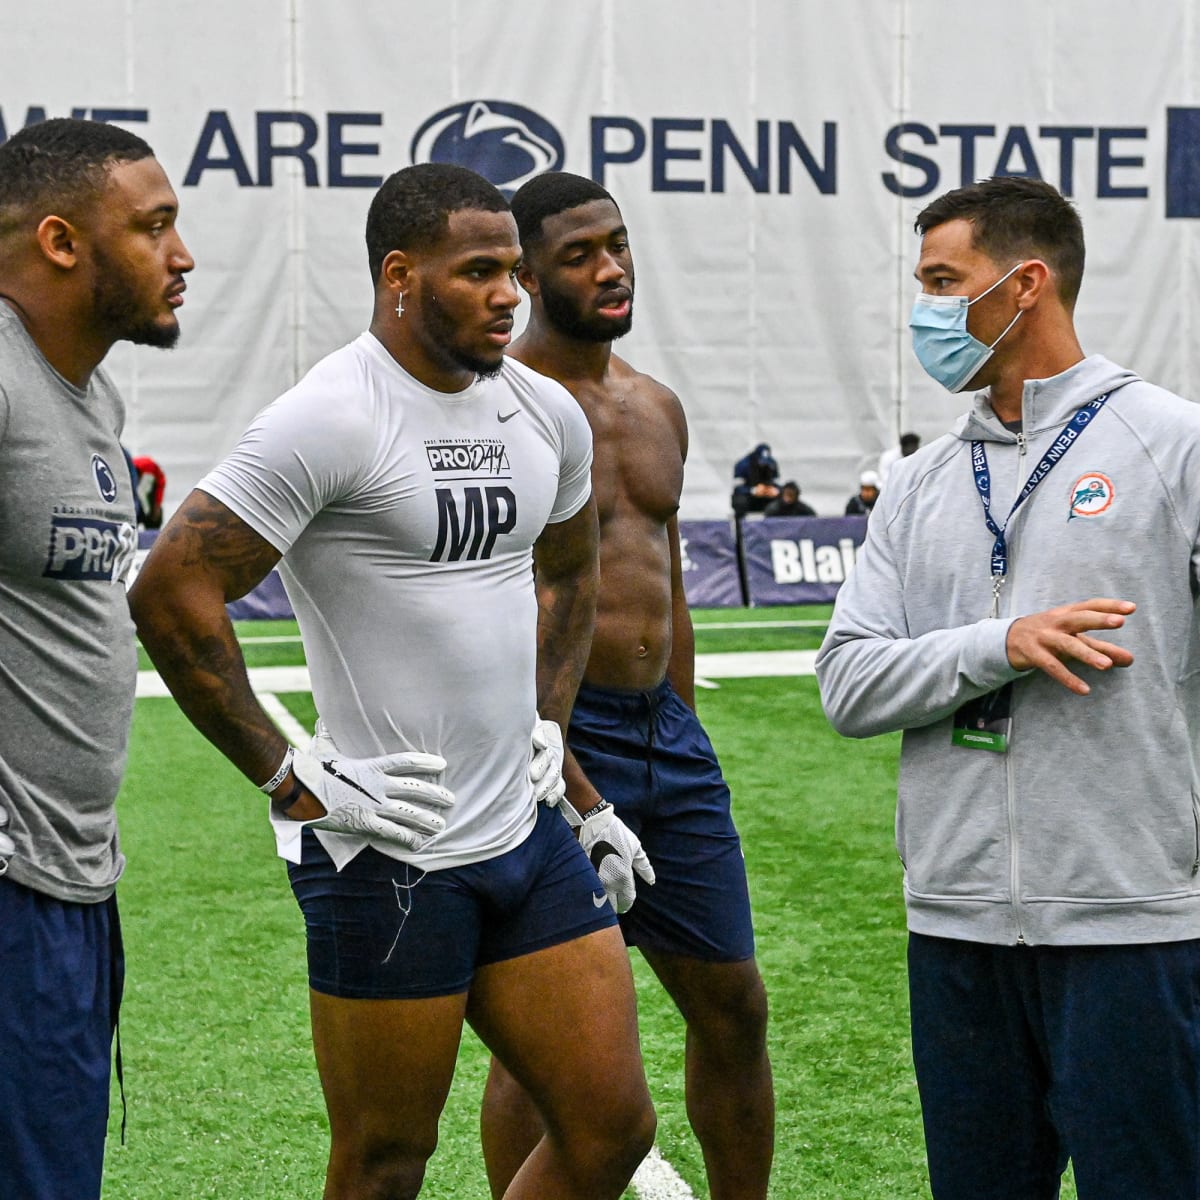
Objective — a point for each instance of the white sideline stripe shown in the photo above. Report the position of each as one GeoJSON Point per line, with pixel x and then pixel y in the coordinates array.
{"type": "Point", "coordinates": [747, 664]}
{"type": "Point", "coordinates": [656, 1179]}
{"type": "Point", "coordinates": [287, 638]}
{"type": "Point", "coordinates": [288, 725]}
{"type": "Point", "coordinates": [797, 624]}
{"type": "Point", "coordinates": [262, 679]}
{"type": "Point", "coordinates": [739, 665]}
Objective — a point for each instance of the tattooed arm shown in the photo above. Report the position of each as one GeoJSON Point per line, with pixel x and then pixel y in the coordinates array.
{"type": "Point", "coordinates": [204, 557]}
{"type": "Point", "coordinates": [568, 573]}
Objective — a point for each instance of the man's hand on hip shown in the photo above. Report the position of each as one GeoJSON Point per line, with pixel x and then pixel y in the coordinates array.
{"type": "Point", "coordinates": [391, 797]}
{"type": "Point", "coordinates": [1046, 641]}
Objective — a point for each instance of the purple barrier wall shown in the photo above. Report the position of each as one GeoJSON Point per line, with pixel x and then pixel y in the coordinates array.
{"type": "Point", "coordinates": [710, 564]}
{"type": "Point", "coordinates": [267, 602]}
{"type": "Point", "coordinates": [799, 560]}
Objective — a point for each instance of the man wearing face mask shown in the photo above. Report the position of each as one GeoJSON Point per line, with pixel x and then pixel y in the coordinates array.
{"type": "Point", "coordinates": [1047, 814]}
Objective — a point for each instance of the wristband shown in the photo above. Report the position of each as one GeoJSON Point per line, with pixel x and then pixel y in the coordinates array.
{"type": "Point", "coordinates": [281, 774]}
{"type": "Point", "coordinates": [596, 810]}
{"type": "Point", "coordinates": [283, 803]}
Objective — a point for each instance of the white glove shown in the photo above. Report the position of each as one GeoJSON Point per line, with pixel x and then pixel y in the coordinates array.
{"type": "Point", "coordinates": [546, 766]}
{"type": "Point", "coordinates": [617, 856]}
{"type": "Point", "coordinates": [7, 845]}
{"type": "Point", "coordinates": [370, 797]}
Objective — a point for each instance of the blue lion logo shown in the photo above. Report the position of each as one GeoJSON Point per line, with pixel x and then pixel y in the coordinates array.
{"type": "Point", "coordinates": [506, 143]}
{"type": "Point", "coordinates": [106, 485]}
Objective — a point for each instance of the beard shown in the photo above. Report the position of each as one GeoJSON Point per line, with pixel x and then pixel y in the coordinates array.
{"type": "Point", "coordinates": [441, 332]}
{"type": "Point", "coordinates": [567, 318]}
{"type": "Point", "coordinates": [118, 307]}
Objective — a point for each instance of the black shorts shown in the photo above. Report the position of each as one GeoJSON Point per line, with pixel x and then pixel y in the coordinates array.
{"type": "Point", "coordinates": [383, 930]}
{"type": "Point", "coordinates": [647, 754]}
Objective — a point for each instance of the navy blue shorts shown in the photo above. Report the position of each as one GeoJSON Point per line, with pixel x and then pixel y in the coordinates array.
{"type": "Point", "coordinates": [383, 930]}
{"type": "Point", "coordinates": [62, 970]}
{"type": "Point", "coordinates": [1029, 1055]}
{"type": "Point", "coordinates": [647, 754]}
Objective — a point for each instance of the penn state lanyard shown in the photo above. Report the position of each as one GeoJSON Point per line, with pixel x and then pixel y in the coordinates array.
{"type": "Point", "coordinates": [983, 484]}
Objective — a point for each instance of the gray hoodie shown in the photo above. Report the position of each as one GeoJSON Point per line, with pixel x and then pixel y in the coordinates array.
{"type": "Point", "coordinates": [1087, 831]}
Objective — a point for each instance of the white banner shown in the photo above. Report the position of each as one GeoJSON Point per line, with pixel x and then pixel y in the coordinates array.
{"type": "Point", "coordinates": [769, 159]}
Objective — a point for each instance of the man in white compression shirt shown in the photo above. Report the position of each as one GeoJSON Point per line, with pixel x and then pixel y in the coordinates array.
{"type": "Point", "coordinates": [407, 486]}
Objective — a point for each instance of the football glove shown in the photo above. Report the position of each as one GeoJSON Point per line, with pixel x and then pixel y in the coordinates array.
{"type": "Point", "coordinates": [383, 798]}
{"type": "Point", "coordinates": [546, 765]}
{"type": "Point", "coordinates": [617, 856]}
{"type": "Point", "coordinates": [7, 846]}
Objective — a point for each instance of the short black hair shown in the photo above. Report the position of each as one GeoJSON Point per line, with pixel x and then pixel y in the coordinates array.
{"type": "Point", "coordinates": [1017, 218]}
{"type": "Point", "coordinates": [411, 211]}
{"type": "Point", "coordinates": [548, 194]}
{"type": "Point", "coordinates": [62, 163]}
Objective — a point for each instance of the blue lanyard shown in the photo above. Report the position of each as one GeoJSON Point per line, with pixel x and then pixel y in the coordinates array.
{"type": "Point", "coordinates": [983, 483]}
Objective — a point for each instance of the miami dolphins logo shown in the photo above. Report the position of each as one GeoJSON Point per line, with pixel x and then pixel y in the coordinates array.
{"type": "Point", "coordinates": [1091, 495]}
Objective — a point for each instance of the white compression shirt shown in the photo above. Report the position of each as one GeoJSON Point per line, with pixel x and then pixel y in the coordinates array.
{"type": "Point", "coordinates": [406, 518]}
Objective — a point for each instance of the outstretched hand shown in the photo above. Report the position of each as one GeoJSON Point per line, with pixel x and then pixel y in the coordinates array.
{"type": "Point", "coordinates": [1046, 641]}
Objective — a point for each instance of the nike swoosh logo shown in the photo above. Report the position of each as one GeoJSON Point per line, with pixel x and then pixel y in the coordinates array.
{"type": "Point", "coordinates": [502, 417]}
{"type": "Point", "coordinates": [600, 901]}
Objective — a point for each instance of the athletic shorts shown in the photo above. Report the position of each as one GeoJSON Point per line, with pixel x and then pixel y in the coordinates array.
{"type": "Point", "coordinates": [62, 969]}
{"type": "Point", "coordinates": [647, 754]}
{"type": "Point", "coordinates": [383, 930]}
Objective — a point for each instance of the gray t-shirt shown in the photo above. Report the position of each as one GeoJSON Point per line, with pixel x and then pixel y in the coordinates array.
{"type": "Point", "coordinates": [68, 667]}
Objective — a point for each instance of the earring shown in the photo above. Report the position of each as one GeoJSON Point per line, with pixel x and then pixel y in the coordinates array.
{"type": "Point", "coordinates": [400, 306]}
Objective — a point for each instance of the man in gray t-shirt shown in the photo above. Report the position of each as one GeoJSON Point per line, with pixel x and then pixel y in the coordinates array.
{"type": "Point", "coordinates": [89, 256]}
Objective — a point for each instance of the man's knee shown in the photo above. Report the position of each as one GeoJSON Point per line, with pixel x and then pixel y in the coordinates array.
{"type": "Point", "coordinates": [379, 1170]}
{"type": "Point", "coordinates": [613, 1146]}
{"type": "Point", "coordinates": [730, 1014]}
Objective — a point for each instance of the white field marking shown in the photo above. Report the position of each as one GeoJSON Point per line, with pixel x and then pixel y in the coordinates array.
{"type": "Point", "coordinates": [262, 679]}
{"type": "Point", "coordinates": [757, 624]}
{"type": "Point", "coordinates": [287, 724]}
{"type": "Point", "coordinates": [656, 1179]}
{"type": "Point", "coordinates": [740, 665]}
{"type": "Point", "coordinates": [748, 664]}
{"type": "Point", "coordinates": [280, 639]}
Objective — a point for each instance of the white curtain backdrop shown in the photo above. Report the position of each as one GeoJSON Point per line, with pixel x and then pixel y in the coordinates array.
{"type": "Point", "coordinates": [769, 156]}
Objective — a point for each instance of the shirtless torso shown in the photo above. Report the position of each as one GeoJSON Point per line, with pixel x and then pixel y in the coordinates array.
{"type": "Point", "coordinates": [639, 433]}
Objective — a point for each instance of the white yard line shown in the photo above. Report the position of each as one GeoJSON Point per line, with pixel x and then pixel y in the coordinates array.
{"type": "Point", "coordinates": [289, 638]}
{"type": "Point", "coordinates": [656, 1179]}
{"type": "Point", "coordinates": [797, 624]}
{"type": "Point", "coordinates": [739, 665]}
{"type": "Point", "coordinates": [748, 664]}
{"type": "Point", "coordinates": [288, 725]}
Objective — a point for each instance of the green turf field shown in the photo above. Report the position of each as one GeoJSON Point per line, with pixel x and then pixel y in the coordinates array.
{"type": "Point", "coordinates": [223, 1095]}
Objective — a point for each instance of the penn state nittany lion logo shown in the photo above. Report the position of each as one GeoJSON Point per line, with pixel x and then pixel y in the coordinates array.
{"type": "Point", "coordinates": [1091, 495]}
{"type": "Point", "coordinates": [106, 484]}
{"type": "Point", "coordinates": [506, 143]}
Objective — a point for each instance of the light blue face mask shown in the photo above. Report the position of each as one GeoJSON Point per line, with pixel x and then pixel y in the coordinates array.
{"type": "Point", "coordinates": [940, 339]}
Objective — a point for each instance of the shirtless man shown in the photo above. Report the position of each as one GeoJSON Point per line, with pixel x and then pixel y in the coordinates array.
{"type": "Point", "coordinates": [634, 739]}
